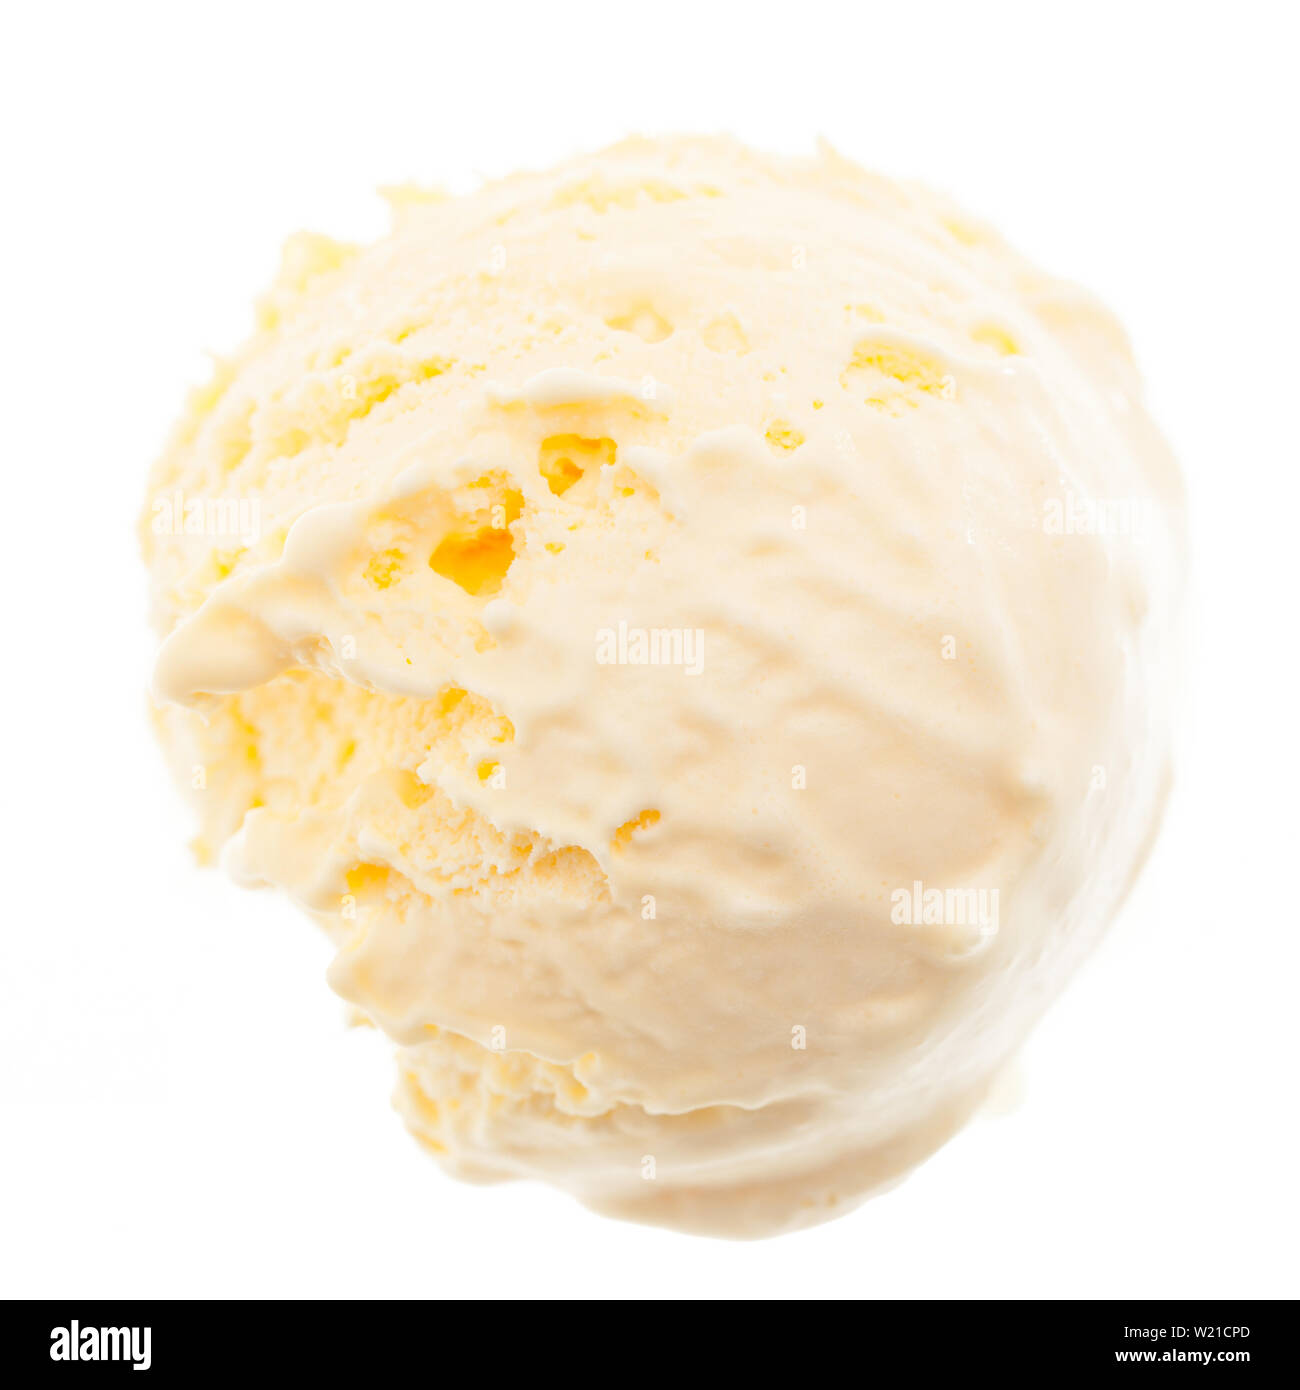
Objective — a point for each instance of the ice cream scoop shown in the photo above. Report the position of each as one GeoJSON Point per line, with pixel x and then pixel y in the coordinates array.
{"type": "Point", "coordinates": [696, 630]}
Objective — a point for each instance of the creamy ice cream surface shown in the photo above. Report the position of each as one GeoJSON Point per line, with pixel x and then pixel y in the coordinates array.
{"type": "Point", "coordinates": [695, 629]}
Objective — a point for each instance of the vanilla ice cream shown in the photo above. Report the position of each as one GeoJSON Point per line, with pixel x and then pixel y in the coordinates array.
{"type": "Point", "coordinates": [695, 629]}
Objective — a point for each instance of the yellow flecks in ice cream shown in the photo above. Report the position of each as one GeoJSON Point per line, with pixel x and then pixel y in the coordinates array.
{"type": "Point", "coordinates": [564, 458]}
{"type": "Point", "coordinates": [781, 434]}
{"type": "Point", "coordinates": [998, 338]}
{"type": "Point", "coordinates": [477, 554]}
{"type": "Point", "coordinates": [888, 373]}
{"type": "Point", "coordinates": [366, 878]}
{"type": "Point", "coordinates": [623, 835]}
{"type": "Point", "coordinates": [385, 568]}
{"type": "Point", "coordinates": [644, 320]}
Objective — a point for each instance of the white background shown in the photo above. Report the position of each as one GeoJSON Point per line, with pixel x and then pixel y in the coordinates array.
{"type": "Point", "coordinates": [169, 1126]}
